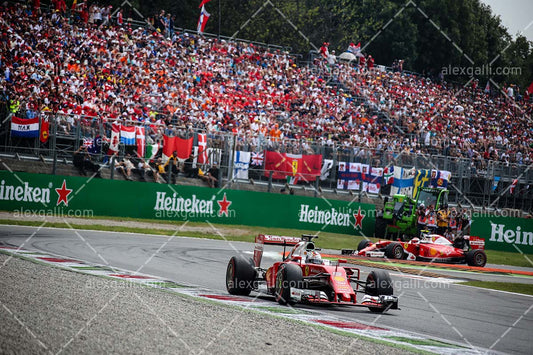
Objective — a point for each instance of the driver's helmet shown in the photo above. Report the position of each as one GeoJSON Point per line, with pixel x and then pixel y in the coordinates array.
{"type": "Point", "coordinates": [313, 257]}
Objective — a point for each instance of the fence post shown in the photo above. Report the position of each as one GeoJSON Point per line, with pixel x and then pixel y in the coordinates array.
{"type": "Point", "coordinates": [270, 181]}
{"type": "Point", "coordinates": [113, 157]}
{"type": "Point", "coordinates": [52, 131]}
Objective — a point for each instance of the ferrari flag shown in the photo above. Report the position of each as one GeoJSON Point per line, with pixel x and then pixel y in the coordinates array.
{"type": "Point", "coordinates": [304, 167]}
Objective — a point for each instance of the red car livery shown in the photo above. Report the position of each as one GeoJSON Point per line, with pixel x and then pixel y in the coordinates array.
{"type": "Point", "coordinates": [303, 276]}
{"type": "Point", "coordinates": [430, 247]}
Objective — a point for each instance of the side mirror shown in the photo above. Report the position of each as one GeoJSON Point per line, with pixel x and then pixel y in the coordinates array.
{"type": "Point", "coordinates": [297, 259]}
{"type": "Point", "coordinates": [342, 261]}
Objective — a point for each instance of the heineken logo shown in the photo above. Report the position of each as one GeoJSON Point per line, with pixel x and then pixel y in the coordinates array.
{"type": "Point", "coordinates": [502, 235]}
{"type": "Point", "coordinates": [177, 203]}
{"type": "Point", "coordinates": [331, 216]}
{"type": "Point", "coordinates": [24, 192]}
{"type": "Point", "coordinates": [37, 194]}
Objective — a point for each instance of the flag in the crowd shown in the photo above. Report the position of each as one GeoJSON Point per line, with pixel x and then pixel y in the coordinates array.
{"type": "Point", "coordinates": [349, 176]}
{"type": "Point", "coordinates": [202, 21]}
{"type": "Point", "coordinates": [87, 142]}
{"type": "Point", "coordinates": [403, 181]}
{"type": "Point", "coordinates": [421, 179]}
{"type": "Point", "coordinates": [292, 180]}
{"type": "Point", "coordinates": [127, 135]}
{"type": "Point", "coordinates": [183, 147]}
{"type": "Point", "coordinates": [257, 159]}
{"type": "Point", "coordinates": [26, 128]}
{"type": "Point", "coordinates": [96, 145]}
{"type": "Point", "coordinates": [74, 3]}
{"type": "Point", "coordinates": [203, 3]}
{"type": "Point", "coordinates": [140, 140]}
{"type": "Point", "coordinates": [45, 130]}
{"type": "Point", "coordinates": [241, 163]}
{"type": "Point", "coordinates": [307, 167]}
{"type": "Point", "coordinates": [115, 138]}
{"type": "Point", "coordinates": [372, 180]}
{"type": "Point", "coordinates": [327, 165]}
{"type": "Point", "coordinates": [388, 175]}
{"type": "Point", "coordinates": [487, 87]}
{"type": "Point", "coordinates": [431, 178]}
{"type": "Point", "coordinates": [202, 145]}
{"type": "Point", "coordinates": [513, 186]}
{"type": "Point", "coordinates": [495, 183]}
{"type": "Point", "coordinates": [355, 49]}
{"type": "Point", "coordinates": [439, 178]}
{"type": "Point", "coordinates": [151, 151]}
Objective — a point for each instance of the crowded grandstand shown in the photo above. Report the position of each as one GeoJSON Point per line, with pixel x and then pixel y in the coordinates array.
{"type": "Point", "coordinates": [80, 71]}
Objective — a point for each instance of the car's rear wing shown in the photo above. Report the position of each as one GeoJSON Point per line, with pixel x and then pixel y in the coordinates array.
{"type": "Point", "coordinates": [277, 239]}
{"type": "Point", "coordinates": [263, 239]}
{"type": "Point", "coordinates": [477, 242]}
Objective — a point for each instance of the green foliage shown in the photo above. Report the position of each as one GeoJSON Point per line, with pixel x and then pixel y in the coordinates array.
{"type": "Point", "coordinates": [428, 34]}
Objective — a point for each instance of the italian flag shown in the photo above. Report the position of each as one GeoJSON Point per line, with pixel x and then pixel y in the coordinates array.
{"type": "Point", "coordinates": [151, 151]}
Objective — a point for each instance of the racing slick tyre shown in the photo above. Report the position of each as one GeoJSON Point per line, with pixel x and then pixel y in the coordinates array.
{"type": "Point", "coordinates": [363, 244]}
{"type": "Point", "coordinates": [378, 282]}
{"type": "Point", "coordinates": [240, 276]}
{"type": "Point", "coordinates": [394, 251]}
{"type": "Point", "coordinates": [476, 257]}
{"type": "Point", "coordinates": [380, 228]}
{"type": "Point", "coordinates": [289, 275]}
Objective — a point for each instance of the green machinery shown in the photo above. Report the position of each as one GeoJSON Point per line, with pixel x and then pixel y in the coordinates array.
{"type": "Point", "coordinates": [399, 214]}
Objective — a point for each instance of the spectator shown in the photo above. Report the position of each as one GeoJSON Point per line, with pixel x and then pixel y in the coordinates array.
{"type": "Point", "coordinates": [172, 167]}
{"type": "Point", "coordinates": [212, 176]}
{"type": "Point", "coordinates": [82, 161]}
{"type": "Point", "coordinates": [159, 169]}
{"type": "Point", "coordinates": [145, 169]}
{"type": "Point", "coordinates": [188, 168]}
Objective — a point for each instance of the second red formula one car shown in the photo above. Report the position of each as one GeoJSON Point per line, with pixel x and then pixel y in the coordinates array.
{"type": "Point", "coordinates": [429, 247]}
{"type": "Point", "coordinates": [303, 276]}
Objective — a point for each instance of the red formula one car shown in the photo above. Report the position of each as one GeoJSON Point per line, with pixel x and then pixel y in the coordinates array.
{"type": "Point", "coordinates": [303, 276]}
{"type": "Point", "coordinates": [429, 247]}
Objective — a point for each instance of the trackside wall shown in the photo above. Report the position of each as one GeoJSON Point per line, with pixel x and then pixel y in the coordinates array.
{"type": "Point", "coordinates": [42, 194]}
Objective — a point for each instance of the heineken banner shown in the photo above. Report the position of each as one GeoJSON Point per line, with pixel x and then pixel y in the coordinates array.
{"type": "Point", "coordinates": [64, 196]}
{"type": "Point", "coordinates": [505, 233]}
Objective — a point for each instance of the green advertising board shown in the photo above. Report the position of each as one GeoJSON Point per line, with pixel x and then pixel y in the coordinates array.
{"type": "Point", "coordinates": [505, 233]}
{"type": "Point", "coordinates": [66, 196]}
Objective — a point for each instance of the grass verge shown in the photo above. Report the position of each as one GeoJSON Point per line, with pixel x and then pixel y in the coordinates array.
{"type": "Point", "coordinates": [526, 289]}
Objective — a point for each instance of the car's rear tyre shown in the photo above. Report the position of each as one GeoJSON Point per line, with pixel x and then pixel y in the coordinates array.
{"type": "Point", "coordinates": [476, 257]}
{"type": "Point", "coordinates": [289, 275]}
{"type": "Point", "coordinates": [240, 276]}
{"type": "Point", "coordinates": [394, 251]}
{"type": "Point", "coordinates": [378, 282]}
{"type": "Point", "coordinates": [380, 228]}
{"type": "Point", "coordinates": [363, 244]}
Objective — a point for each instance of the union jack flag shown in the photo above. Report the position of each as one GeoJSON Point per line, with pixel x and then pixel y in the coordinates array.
{"type": "Point", "coordinates": [257, 159]}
